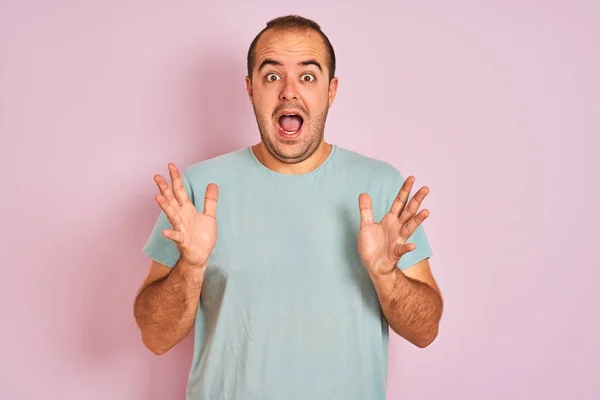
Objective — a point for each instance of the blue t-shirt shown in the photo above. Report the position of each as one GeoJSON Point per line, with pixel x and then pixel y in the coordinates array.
{"type": "Point", "coordinates": [287, 309]}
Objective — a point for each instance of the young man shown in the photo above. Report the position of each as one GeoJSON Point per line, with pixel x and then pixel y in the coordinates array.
{"type": "Point", "coordinates": [312, 251]}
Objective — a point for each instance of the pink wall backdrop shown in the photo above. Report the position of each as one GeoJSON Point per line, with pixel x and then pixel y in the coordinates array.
{"type": "Point", "coordinates": [493, 104]}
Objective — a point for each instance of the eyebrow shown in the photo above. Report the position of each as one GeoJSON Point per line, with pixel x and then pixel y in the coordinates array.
{"type": "Point", "coordinates": [270, 61]}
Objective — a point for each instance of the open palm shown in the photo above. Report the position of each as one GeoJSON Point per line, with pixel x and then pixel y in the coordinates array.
{"type": "Point", "coordinates": [382, 244]}
{"type": "Point", "coordinates": [194, 233]}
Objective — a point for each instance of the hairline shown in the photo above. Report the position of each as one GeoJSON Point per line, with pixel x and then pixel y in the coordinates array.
{"type": "Point", "coordinates": [293, 29]}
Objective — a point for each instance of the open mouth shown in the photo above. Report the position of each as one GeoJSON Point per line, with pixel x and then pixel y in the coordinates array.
{"type": "Point", "coordinates": [291, 123]}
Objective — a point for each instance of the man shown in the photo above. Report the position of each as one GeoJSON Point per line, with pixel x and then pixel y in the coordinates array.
{"type": "Point", "coordinates": [292, 280]}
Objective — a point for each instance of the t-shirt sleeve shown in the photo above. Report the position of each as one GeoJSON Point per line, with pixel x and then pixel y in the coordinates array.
{"type": "Point", "coordinates": [419, 237]}
{"type": "Point", "coordinates": [157, 246]}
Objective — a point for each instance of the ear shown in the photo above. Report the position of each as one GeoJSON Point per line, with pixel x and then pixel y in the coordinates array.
{"type": "Point", "coordinates": [249, 88]}
{"type": "Point", "coordinates": [333, 87]}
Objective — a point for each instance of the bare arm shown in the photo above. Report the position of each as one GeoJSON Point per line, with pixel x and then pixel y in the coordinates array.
{"type": "Point", "coordinates": [166, 305]}
{"type": "Point", "coordinates": [411, 303]}
{"type": "Point", "coordinates": [410, 299]}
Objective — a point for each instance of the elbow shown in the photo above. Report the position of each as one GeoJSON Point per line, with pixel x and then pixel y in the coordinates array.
{"type": "Point", "coordinates": [424, 341]}
{"type": "Point", "coordinates": [426, 338]}
{"type": "Point", "coordinates": [421, 339]}
{"type": "Point", "coordinates": [155, 346]}
{"type": "Point", "coordinates": [157, 350]}
{"type": "Point", "coordinates": [429, 333]}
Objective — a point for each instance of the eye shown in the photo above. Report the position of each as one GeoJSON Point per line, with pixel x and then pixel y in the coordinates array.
{"type": "Point", "coordinates": [272, 77]}
{"type": "Point", "coordinates": [307, 78]}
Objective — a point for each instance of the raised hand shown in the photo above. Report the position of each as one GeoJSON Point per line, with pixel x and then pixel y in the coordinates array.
{"type": "Point", "coordinates": [381, 244]}
{"type": "Point", "coordinates": [194, 233]}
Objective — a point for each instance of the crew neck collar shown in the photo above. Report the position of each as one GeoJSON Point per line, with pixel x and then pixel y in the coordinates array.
{"type": "Point", "coordinates": [281, 174]}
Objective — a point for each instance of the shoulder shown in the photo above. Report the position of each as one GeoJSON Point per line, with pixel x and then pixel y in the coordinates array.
{"type": "Point", "coordinates": [369, 168]}
{"type": "Point", "coordinates": [219, 169]}
{"type": "Point", "coordinates": [216, 163]}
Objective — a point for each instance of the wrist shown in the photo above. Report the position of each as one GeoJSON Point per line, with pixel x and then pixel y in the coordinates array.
{"type": "Point", "coordinates": [386, 281]}
{"type": "Point", "coordinates": [192, 270]}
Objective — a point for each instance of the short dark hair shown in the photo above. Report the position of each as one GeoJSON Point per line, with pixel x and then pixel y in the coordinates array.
{"type": "Point", "coordinates": [292, 22]}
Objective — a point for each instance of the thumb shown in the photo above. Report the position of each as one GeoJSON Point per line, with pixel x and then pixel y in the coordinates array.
{"type": "Point", "coordinates": [402, 249]}
{"type": "Point", "coordinates": [366, 209]}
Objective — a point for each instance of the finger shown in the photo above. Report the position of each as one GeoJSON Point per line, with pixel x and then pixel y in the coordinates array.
{"type": "Point", "coordinates": [402, 249]}
{"type": "Point", "coordinates": [176, 236]}
{"type": "Point", "coordinates": [402, 196]}
{"type": "Point", "coordinates": [177, 183]}
{"type": "Point", "coordinates": [411, 226]}
{"type": "Point", "coordinates": [164, 188]}
{"type": "Point", "coordinates": [413, 205]}
{"type": "Point", "coordinates": [366, 209]}
{"type": "Point", "coordinates": [169, 209]}
{"type": "Point", "coordinates": [211, 198]}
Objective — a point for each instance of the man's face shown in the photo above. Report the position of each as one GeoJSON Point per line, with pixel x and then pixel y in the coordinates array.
{"type": "Point", "coordinates": [291, 92]}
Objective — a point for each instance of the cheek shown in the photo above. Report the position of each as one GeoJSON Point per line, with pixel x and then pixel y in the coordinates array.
{"type": "Point", "coordinates": [265, 100]}
{"type": "Point", "coordinates": [316, 101]}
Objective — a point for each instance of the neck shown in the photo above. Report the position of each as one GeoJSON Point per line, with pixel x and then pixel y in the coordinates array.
{"type": "Point", "coordinates": [311, 163]}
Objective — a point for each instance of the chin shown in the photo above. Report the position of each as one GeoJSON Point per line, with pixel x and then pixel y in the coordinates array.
{"type": "Point", "coordinates": [286, 150]}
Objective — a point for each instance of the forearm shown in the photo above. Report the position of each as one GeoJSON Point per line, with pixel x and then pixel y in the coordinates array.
{"type": "Point", "coordinates": [166, 310]}
{"type": "Point", "coordinates": [412, 308]}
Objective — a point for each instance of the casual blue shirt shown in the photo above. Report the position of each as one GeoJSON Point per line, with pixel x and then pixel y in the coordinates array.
{"type": "Point", "coordinates": [287, 309]}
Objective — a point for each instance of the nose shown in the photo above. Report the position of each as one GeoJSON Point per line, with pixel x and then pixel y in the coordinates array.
{"type": "Point", "coordinates": [289, 91]}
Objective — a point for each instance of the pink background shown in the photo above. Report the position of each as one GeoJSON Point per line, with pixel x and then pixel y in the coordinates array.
{"type": "Point", "coordinates": [492, 104]}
